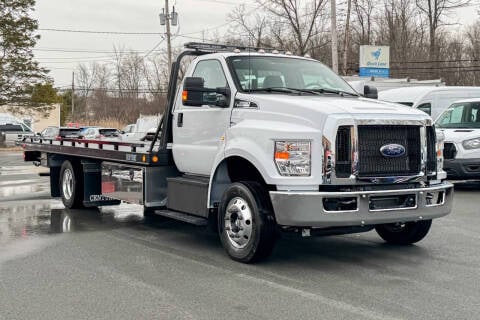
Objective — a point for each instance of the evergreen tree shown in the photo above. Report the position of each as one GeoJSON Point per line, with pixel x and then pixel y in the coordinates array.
{"type": "Point", "coordinates": [18, 70]}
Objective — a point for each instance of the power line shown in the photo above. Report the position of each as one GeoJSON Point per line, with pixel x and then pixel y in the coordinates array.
{"type": "Point", "coordinates": [99, 32]}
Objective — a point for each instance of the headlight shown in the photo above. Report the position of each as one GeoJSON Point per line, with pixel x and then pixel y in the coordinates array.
{"type": "Point", "coordinates": [471, 144]}
{"type": "Point", "coordinates": [293, 157]}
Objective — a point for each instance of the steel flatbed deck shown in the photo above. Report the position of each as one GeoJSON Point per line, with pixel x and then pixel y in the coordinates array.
{"type": "Point", "coordinates": [112, 151]}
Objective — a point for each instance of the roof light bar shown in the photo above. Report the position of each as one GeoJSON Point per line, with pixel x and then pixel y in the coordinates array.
{"type": "Point", "coordinates": [212, 47]}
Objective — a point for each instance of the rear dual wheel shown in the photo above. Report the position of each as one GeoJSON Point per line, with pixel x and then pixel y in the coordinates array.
{"type": "Point", "coordinates": [71, 185]}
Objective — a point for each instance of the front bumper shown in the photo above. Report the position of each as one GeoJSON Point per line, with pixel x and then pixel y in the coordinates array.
{"type": "Point", "coordinates": [307, 209]}
{"type": "Point", "coordinates": [462, 168]}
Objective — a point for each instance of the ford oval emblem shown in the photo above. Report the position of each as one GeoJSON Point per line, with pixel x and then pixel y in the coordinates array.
{"type": "Point", "coordinates": [392, 150]}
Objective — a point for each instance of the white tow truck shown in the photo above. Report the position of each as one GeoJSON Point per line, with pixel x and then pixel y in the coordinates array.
{"type": "Point", "coordinates": [256, 143]}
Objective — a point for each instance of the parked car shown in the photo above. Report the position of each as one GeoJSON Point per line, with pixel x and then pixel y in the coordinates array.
{"type": "Point", "coordinates": [149, 135]}
{"type": "Point", "coordinates": [101, 133]}
{"type": "Point", "coordinates": [431, 100]}
{"type": "Point", "coordinates": [51, 132]}
{"type": "Point", "coordinates": [460, 124]}
{"type": "Point", "coordinates": [12, 129]}
{"type": "Point", "coordinates": [83, 130]}
{"type": "Point", "coordinates": [129, 128]}
{"type": "Point", "coordinates": [141, 129]}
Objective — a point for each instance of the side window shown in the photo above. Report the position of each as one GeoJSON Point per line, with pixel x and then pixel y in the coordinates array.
{"type": "Point", "coordinates": [425, 107]}
{"type": "Point", "coordinates": [211, 71]}
{"type": "Point", "coordinates": [476, 112]}
{"type": "Point", "coordinates": [456, 115]}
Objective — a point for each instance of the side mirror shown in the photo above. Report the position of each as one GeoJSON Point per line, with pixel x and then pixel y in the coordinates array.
{"type": "Point", "coordinates": [370, 92]}
{"type": "Point", "coordinates": [122, 132]}
{"type": "Point", "coordinates": [195, 94]}
{"type": "Point", "coordinates": [427, 108]}
{"type": "Point", "coordinates": [193, 90]}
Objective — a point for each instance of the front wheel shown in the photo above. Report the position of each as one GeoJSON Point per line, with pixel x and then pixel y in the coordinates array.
{"type": "Point", "coordinates": [404, 233]}
{"type": "Point", "coordinates": [246, 223]}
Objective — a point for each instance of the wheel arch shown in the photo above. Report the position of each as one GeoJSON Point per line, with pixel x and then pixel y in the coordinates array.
{"type": "Point", "coordinates": [229, 170]}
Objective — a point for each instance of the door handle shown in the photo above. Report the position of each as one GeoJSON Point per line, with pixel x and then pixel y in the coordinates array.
{"type": "Point", "coordinates": [180, 120]}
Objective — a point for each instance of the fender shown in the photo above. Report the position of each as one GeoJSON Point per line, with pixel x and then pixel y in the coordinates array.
{"type": "Point", "coordinates": [219, 178]}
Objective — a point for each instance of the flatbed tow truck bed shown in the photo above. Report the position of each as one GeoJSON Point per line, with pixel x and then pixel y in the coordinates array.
{"type": "Point", "coordinates": [115, 151]}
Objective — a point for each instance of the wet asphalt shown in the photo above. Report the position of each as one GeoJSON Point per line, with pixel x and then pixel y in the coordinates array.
{"type": "Point", "coordinates": [111, 264]}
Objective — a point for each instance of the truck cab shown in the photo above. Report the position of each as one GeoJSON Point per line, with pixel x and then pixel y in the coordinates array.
{"type": "Point", "coordinates": [323, 156]}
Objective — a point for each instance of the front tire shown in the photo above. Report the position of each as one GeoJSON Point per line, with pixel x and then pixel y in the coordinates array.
{"type": "Point", "coordinates": [71, 185]}
{"type": "Point", "coordinates": [404, 234]}
{"type": "Point", "coordinates": [246, 222]}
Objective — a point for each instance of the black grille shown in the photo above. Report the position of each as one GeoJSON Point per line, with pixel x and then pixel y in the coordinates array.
{"type": "Point", "coordinates": [343, 152]}
{"type": "Point", "coordinates": [449, 151]}
{"type": "Point", "coordinates": [431, 150]}
{"type": "Point", "coordinates": [373, 163]}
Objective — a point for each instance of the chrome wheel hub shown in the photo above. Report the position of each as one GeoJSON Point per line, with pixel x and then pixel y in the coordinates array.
{"type": "Point", "coordinates": [67, 183]}
{"type": "Point", "coordinates": [238, 222]}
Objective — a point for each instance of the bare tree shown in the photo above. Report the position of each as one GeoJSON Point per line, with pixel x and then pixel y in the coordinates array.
{"type": "Point", "coordinates": [364, 16]}
{"type": "Point", "coordinates": [303, 21]}
{"type": "Point", "coordinates": [86, 78]}
{"type": "Point", "coordinates": [435, 12]}
{"type": "Point", "coordinates": [255, 28]}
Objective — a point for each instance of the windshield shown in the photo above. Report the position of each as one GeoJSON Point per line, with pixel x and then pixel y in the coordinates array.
{"type": "Point", "coordinates": [460, 115]}
{"type": "Point", "coordinates": [254, 73]}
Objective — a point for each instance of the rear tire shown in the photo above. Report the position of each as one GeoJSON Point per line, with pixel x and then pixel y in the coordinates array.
{"type": "Point", "coordinates": [71, 185]}
{"type": "Point", "coordinates": [246, 223]}
{"type": "Point", "coordinates": [404, 234]}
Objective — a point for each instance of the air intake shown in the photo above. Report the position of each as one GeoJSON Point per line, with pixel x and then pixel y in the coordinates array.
{"type": "Point", "coordinates": [343, 152]}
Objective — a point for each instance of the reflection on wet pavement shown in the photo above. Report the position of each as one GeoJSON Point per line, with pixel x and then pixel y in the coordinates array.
{"type": "Point", "coordinates": [18, 170]}
{"type": "Point", "coordinates": [46, 217]}
{"type": "Point", "coordinates": [22, 189]}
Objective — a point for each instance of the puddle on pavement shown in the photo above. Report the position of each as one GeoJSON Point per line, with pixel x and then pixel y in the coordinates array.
{"type": "Point", "coordinates": [47, 217]}
{"type": "Point", "coordinates": [25, 189]}
{"type": "Point", "coordinates": [18, 170]}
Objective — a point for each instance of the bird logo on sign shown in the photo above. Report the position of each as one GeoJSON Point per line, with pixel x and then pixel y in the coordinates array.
{"type": "Point", "coordinates": [376, 54]}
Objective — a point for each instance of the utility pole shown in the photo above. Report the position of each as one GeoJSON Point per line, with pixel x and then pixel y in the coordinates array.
{"type": "Point", "coordinates": [73, 96]}
{"type": "Point", "coordinates": [167, 19]}
{"type": "Point", "coordinates": [347, 36]}
{"type": "Point", "coordinates": [333, 13]}
{"type": "Point", "coordinates": [169, 44]}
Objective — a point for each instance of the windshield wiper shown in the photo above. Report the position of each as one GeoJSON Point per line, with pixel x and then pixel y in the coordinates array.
{"type": "Point", "coordinates": [283, 90]}
{"type": "Point", "coordinates": [335, 91]}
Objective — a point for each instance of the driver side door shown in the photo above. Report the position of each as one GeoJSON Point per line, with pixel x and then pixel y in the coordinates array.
{"type": "Point", "coordinates": [199, 131]}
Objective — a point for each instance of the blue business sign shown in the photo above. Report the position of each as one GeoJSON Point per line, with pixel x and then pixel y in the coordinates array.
{"type": "Point", "coordinates": [375, 61]}
{"type": "Point", "coordinates": [375, 72]}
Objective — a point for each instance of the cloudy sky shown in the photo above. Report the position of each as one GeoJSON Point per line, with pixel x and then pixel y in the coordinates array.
{"type": "Point", "coordinates": [62, 51]}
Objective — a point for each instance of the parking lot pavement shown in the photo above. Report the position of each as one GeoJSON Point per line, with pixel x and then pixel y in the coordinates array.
{"type": "Point", "coordinates": [88, 264]}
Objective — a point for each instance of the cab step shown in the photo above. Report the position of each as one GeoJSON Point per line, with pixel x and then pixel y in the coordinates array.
{"type": "Point", "coordinates": [188, 218]}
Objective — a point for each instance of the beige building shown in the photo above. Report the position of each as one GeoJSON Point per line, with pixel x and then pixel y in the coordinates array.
{"type": "Point", "coordinates": [38, 120]}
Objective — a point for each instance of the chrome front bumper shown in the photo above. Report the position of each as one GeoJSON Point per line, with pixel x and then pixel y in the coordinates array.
{"type": "Point", "coordinates": [306, 209]}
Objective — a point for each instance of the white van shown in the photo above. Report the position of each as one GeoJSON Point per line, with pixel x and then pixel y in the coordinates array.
{"type": "Point", "coordinates": [432, 100]}
{"type": "Point", "coordinates": [460, 124]}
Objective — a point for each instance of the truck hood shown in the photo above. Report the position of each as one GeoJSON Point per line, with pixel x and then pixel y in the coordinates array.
{"type": "Point", "coordinates": [459, 135]}
{"type": "Point", "coordinates": [315, 109]}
